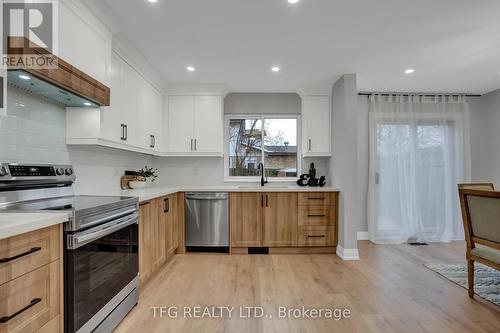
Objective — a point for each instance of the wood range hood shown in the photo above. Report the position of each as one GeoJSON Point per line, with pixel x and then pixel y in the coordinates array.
{"type": "Point", "coordinates": [60, 82]}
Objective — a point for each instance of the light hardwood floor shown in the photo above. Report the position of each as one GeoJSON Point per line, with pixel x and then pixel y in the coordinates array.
{"type": "Point", "coordinates": [388, 290]}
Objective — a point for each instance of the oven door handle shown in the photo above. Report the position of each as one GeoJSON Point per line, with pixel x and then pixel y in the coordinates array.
{"type": "Point", "coordinates": [114, 216]}
{"type": "Point", "coordinates": [77, 240]}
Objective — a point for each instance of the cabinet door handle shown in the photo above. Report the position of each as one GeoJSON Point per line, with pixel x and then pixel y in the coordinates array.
{"type": "Point", "coordinates": [316, 236]}
{"type": "Point", "coordinates": [195, 144]}
{"type": "Point", "coordinates": [316, 215]}
{"type": "Point", "coordinates": [32, 250]}
{"type": "Point", "coordinates": [126, 132]}
{"type": "Point", "coordinates": [123, 132]}
{"type": "Point", "coordinates": [152, 143]}
{"type": "Point", "coordinates": [166, 208]}
{"type": "Point", "coordinates": [267, 200]}
{"type": "Point", "coordinates": [32, 303]}
{"type": "Point", "coordinates": [309, 144]}
{"type": "Point", "coordinates": [191, 144]}
{"type": "Point", "coordinates": [262, 200]}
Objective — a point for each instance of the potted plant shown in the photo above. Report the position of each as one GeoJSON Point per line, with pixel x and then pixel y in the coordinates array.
{"type": "Point", "coordinates": [143, 176]}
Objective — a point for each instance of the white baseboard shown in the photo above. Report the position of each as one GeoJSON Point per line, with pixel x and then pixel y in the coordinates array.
{"type": "Point", "coordinates": [363, 235]}
{"type": "Point", "coordinates": [347, 254]}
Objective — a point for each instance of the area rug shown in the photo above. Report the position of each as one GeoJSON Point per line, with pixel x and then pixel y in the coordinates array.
{"type": "Point", "coordinates": [486, 280]}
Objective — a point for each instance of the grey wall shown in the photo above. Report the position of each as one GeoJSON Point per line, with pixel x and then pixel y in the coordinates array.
{"type": "Point", "coordinates": [485, 138]}
{"type": "Point", "coordinates": [345, 161]}
{"type": "Point", "coordinates": [262, 103]}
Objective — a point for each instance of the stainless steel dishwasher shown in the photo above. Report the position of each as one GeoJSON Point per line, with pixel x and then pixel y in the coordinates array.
{"type": "Point", "coordinates": [207, 222]}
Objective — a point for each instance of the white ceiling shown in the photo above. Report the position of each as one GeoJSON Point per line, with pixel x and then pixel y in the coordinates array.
{"type": "Point", "coordinates": [453, 45]}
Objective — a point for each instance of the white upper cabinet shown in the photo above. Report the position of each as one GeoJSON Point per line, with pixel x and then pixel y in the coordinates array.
{"type": "Point", "coordinates": [180, 124]}
{"type": "Point", "coordinates": [194, 125]}
{"type": "Point", "coordinates": [316, 125]}
{"type": "Point", "coordinates": [133, 121]}
{"type": "Point", "coordinates": [208, 122]}
{"type": "Point", "coordinates": [149, 115]}
{"type": "Point", "coordinates": [83, 41]}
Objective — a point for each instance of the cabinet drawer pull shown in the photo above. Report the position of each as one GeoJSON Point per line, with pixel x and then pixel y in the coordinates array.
{"type": "Point", "coordinates": [166, 208]}
{"type": "Point", "coordinates": [32, 303]}
{"type": "Point", "coordinates": [144, 203]}
{"type": "Point", "coordinates": [316, 236]}
{"type": "Point", "coordinates": [316, 215]}
{"type": "Point", "coordinates": [32, 250]}
{"type": "Point", "coordinates": [123, 132]}
{"type": "Point", "coordinates": [322, 198]}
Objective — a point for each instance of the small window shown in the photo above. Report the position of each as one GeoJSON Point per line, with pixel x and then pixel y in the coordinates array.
{"type": "Point", "coordinates": [269, 140]}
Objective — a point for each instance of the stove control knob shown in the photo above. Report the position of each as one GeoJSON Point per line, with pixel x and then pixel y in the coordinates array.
{"type": "Point", "coordinates": [3, 171]}
{"type": "Point", "coordinates": [68, 172]}
{"type": "Point", "coordinates": [60, 171]}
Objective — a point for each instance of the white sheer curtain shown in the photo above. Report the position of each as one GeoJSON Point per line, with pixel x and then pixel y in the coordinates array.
{"type": "Point", "coordinates": [419, 151]}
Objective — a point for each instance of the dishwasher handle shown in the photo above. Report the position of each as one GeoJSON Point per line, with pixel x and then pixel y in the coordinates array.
{"type": "Point", "coordinates": [207, 196]}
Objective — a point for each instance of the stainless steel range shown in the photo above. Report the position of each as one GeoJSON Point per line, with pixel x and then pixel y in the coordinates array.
{"type": "Point", "coordinates": [101, 243]}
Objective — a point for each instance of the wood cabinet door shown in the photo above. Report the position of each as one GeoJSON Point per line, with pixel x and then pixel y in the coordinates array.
{"type": "Point", "coordinates": [246, 219]}
{"type": "Point", "coordinates": [172, 228]}
{"type": "Point", "coordinates": [280, 219]}
{"type": "Point", "coordinates": [158, 237]}
{"type": "Point", "coordinates": [145, 241]}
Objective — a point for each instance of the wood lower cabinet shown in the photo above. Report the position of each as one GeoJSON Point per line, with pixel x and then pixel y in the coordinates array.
{"type": "Point", "coordinates": [263, 219]}
{"type": "Point", "coordinates": [158, 234]}
{"type": "Point", "coordinates": [283, 219]}
{"type": "Point", "coordinates": [170, 223]}
{"type": "Point", "coordinates": [317, 218]}
{"type": "Point", "coordinates": [246, 219]}
{"type": "Point", "coordinates": [280, 220]}
{"type": "Point", "coordinates": [31, 285]}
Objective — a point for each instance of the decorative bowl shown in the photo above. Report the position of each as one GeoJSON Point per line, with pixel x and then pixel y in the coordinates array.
{"type": "Point", "coordinates": [137, 184]}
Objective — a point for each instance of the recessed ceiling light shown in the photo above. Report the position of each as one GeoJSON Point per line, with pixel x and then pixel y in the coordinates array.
{"type": "Point", "coordinates": [190, 68]}
{"type": "Point", "coordinates": [409, 71]}
{"type": "Point", "coordinates": [24, 77]}
{"type": "Point", "coordinates": [293, 1]}
{"type": "Point", "coordinates": [87, 104]}
{"type": "Point", "coordinates": [152, 1]}
{"type": "Point", "coordinates": [275, 69]}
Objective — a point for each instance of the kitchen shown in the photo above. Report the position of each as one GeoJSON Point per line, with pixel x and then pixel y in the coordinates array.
{"type": "Point", "coordinates": [146, 186]}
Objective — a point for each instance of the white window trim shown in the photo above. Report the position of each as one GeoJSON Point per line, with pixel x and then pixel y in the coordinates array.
{"type": "Point", "coordinates": [230, 179]}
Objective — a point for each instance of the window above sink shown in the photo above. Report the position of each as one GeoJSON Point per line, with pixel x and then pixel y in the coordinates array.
{"type": "Point", "coordinates": [270, 140]}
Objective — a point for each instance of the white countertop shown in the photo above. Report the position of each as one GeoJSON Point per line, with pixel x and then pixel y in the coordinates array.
{"type": "Point", "coordinates": [155, 192]}
{"type": "Point", "coordinates": [16, 223]}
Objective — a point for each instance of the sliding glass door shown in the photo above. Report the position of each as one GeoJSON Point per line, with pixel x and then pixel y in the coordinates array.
{"type": "Point", "coordinates": [416, 162]}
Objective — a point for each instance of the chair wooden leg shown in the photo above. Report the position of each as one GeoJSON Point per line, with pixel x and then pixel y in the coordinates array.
{"type": "Point", "coordinates": [470, 275]}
